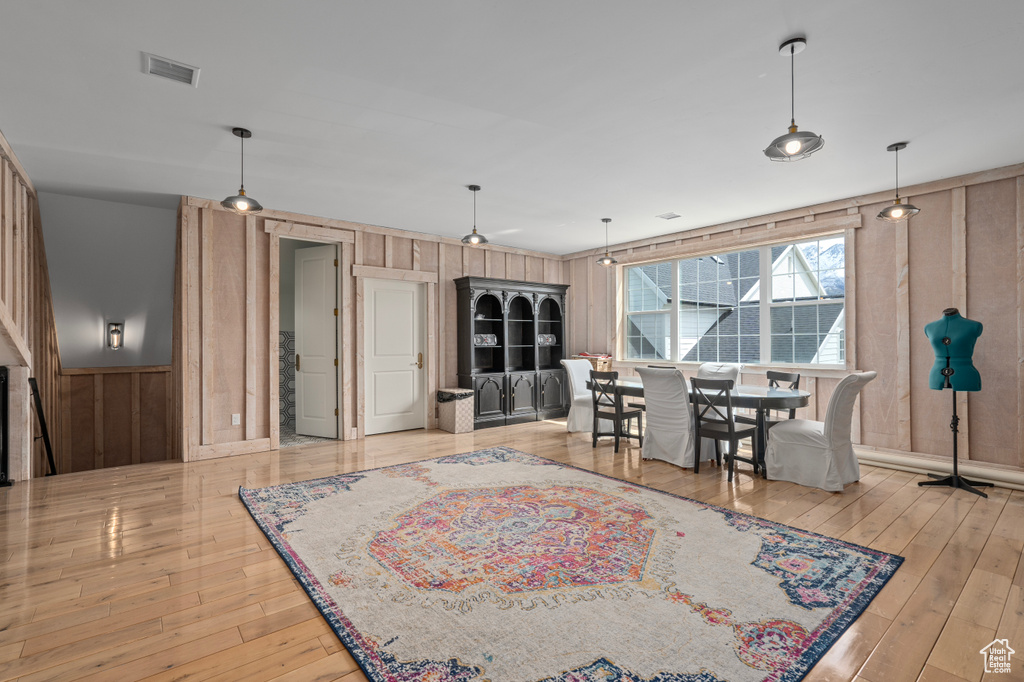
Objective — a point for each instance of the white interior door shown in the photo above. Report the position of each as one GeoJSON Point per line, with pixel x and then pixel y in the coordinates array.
{"type": "Point", "coordinates": [316, 345]}
{"type": "Point", "coordinates": [393, 348]}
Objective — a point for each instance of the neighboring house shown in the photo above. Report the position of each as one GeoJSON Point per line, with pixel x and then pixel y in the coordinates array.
{"type": "Point", "coordinates": [832, 350]}
{"type": "Point", "coordinates": [651, 287]}
{"type": "Point", "coordinates": [719, 303]}
{"type": "Point", "coordinates": [700, 304]}
{"type": "Point", "coordinates": [705, 301]}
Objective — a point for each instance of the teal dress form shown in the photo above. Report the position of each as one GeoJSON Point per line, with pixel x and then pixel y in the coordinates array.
{"type": "Point", "coordinates": [953, 339]}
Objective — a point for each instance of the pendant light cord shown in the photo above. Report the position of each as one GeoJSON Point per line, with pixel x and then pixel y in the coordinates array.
{"type": "Point", "coordinates": [792, 85]}
{"type": "Point", "coordinates": [897, 175]}
{"type": "Point", "coordinates": [474, 210]}
{"type": "Point", "coordinates": [242, 156]}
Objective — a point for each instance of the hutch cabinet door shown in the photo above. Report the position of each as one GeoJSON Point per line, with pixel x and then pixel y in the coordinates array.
{"type": "Point", "coordinates": [521, 394]}
{"type": "Point", "coordinates": [490, 397]}
{"type": "Point", "coordinates": [552, 391]}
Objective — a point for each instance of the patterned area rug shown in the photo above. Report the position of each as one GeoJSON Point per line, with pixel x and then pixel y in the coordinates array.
{"type": "Point", "coordinates": [498, 565]}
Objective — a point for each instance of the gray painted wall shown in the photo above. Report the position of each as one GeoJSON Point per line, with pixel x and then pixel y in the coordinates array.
{"type": "Point", "coordinates": [110, 262]}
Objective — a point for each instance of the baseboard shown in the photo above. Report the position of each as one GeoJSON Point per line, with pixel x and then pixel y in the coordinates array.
{"type": "Point", "coordinates": [930, 464]}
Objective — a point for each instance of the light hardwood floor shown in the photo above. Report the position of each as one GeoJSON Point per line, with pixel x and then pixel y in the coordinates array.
{"type": "Point", "coordinates": [156, 571]}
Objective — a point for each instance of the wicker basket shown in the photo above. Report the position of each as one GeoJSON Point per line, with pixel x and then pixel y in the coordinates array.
{"type": "Point", "coordinates": [600, 364]}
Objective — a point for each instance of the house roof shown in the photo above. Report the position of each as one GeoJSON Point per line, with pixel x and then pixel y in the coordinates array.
{"type": "Point", "coordinates": [564, 113]}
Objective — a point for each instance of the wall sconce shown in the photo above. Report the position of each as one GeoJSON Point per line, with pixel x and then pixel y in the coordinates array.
{"type": "Point", "coordinates": [115, 335]}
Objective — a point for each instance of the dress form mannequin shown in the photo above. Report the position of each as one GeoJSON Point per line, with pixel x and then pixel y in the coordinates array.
{"type": "Point", "coordinates": [953, 338]}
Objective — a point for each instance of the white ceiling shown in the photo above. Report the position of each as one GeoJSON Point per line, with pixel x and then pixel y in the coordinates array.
{"type": "Point", "coordinates": [564, 111]}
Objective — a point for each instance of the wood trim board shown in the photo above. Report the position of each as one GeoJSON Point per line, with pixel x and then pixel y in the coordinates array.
{"type": "Point", "coordinates": [959, 298]}
{"type": "Point", "coordinates": [250, 327]}
{"type": "Point", "coordinates": [129, 369]}
{"type": "Point", "coordinates": [394, 273]}
{"type": "Point", "coordinates": [1020, 319]}
{"type": "Point", "coordinates": [274, 341]}
{"type": "Point", "coordinates": [206, 331]}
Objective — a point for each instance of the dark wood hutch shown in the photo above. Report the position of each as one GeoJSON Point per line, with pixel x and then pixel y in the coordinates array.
{"type": "Point", "coordinates": [511, 343]}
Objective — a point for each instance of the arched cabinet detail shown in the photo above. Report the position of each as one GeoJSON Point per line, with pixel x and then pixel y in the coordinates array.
{"type": "Point", "coordinates": [511, 342]}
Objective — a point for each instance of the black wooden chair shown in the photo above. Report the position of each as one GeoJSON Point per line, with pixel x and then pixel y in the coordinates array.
{"type": "Point", "coordinates": [714, 419]}
{"type": "Point", "coordinates": [643, 405]}
{"type": "Point", "coordinates": [776, 379]}
{"type": "Point", "coordinates": [608, 406]}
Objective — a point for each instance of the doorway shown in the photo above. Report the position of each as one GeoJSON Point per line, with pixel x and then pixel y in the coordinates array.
{"type": "Point", "coordinates": [308, 341]}
{"type": "Point", "coordinates": [394, 348]}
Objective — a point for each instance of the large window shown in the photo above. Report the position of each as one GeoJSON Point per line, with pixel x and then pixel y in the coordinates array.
{"type": "Point", "coordinates": [780, 304]}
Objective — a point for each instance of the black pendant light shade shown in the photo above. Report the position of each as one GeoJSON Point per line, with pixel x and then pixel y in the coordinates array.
{"type": "Point", "coordinates": [240, 203]}
{"type": "Point", "coordinates": [898, 211]}
{"type": "Point", "coordinates": [606, 260]}
{"type": "Point", "coordinates": [474, 238]}
{"type": "Point", "coordinates": [794, 145]}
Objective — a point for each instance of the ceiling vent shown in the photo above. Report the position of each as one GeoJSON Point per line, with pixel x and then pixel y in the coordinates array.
{"type": "Point", "coordinates": [170, 69]}
{"type": "Point", "coordinates": [668, 216]}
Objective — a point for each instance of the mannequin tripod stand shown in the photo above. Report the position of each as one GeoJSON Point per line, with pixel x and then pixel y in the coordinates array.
{"type": "Point", "coordinates": [955, 480]}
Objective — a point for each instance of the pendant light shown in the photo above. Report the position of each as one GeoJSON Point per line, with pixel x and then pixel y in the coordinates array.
{"type": "Point", "coordinates": [240, 203]}
{"type": "Point", "coordinates": [794, 145]}
{"type": "Point", "coordinates": [898, 211]}
{"type": "Point", "coordinates": [474, 238]}
{"type": "Point", "coordinates": [607, 259]}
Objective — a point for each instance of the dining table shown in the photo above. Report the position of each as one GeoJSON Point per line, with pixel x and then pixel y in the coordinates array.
{"type": "Point", "coordinates": [760, 399]}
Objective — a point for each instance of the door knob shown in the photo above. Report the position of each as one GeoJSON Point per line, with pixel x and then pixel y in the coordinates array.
{"type": "Point", "coordinates": [419, 360]}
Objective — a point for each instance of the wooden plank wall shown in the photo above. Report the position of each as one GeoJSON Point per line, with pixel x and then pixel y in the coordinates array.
{"type": "Point", "coordinates": [113, 416]}
{"type": "Point", "coordinates": [965, 250]}
{"type": "Point", "coordinates": [27, 327]}
{"type": "Point", "coordinates": [225, 322]}
{"type": "Point", "coordinates": [46, 366]}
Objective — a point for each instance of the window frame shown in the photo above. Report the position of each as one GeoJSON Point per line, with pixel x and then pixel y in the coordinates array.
{"type": "Point", "coordinates": [765, 306]}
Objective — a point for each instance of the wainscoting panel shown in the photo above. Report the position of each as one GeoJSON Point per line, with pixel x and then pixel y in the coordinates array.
{"type": "Point", "coordinates": [114, 416]}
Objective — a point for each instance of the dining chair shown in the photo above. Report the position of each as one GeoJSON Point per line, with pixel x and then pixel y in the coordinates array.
{"type": "Point", "coordinates": [668, 433]}
{"type": "Point", "coordinates": [581, 407]}
{"type": "Point", "coordinates": [607, 405]}
{"type": "Point", "coordinates": [716, 370]}
{"type": "Point", "coordinates": [713, 419]}
{"type": "Point", "coordinates": [643, 404]}
{"type": "Point", "coordinates": [719, 370]}
{"type": "Point", "coordinates": [819, 454]}
{"type": "Point", "coordinates": [776, 379]}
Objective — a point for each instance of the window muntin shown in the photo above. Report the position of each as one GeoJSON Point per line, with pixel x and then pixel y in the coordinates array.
{"type": "Point", "coordinates": [715, 322]}
{"type": "Point", "coordinates": [648, 337]}
{"type": "Point", "coordinates": [648, 324]}
{"type": "Point", "coordinates": [808, 302]}
{"type": "Point", "coordinates": [794, 293]}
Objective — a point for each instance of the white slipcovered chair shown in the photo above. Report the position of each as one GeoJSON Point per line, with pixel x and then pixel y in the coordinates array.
{"type": "Point", "coordinates": [818, 454]}
{"type": "Point", "coordinates": [716, 370]}
{"type": "Point", "coordinates": [668, 434]}
{"type": "Point", "coordinates": [581, 407]}
{"type": "Point", "coordinates": [719, 370]}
